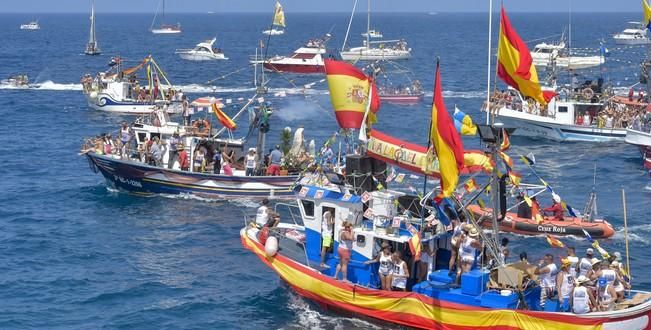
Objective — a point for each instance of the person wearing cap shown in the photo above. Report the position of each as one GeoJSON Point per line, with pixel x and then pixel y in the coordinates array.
{"type": "Point", "coordinates": [455, 241]}
{"type": "Point", "coordinates": [250, 162]}
{"type": "Point", "coordinates": [585, 264]}
{"type": "Point", "coordinates": [582, 301]}
{"type": "Point", "coordinates": [265, 216]}
{"type": "Point", "coordinates": [275, 158]}
{"type": "Point", "coordinates": [385, 270]}
{"type": "Point", "coordinates": [620, 283]}
{"type": "Point", "coordinates": [556, 209]}
{"type": "Point", "coordinates": [546, 271]}
{"type": "Point", "coordinates": [606, 295]}
{"type": "Point", "coordinates": [468, 248]}
{"type": "Point", "coordinates": [184, 160]}
{"type": "Point", "coordinates": [564, 284]}
{"type": "Point", "coordinates": [327, 228]}
{"type": "Point", "coordinates": [400, 273]}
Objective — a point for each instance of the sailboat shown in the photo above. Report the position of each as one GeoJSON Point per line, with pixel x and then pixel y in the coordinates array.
{"type": "Point", "coordinates": [278, 25]}
{"type": "Point", "coordinates": [91, 47]}
{"type": "Point", "coordinates": [164, 28]}
{"type": "Point", "coordinates": [386, 50]}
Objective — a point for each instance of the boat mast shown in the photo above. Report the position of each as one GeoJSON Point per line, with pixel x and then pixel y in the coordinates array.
{"type": "Point", "coordinates": [368, 26]}
{"type": "Point", "coordinates": [92, 39]}
{"type": "Point", "coordinates": [569, 40]}
{"type": "Point", "coordinates": [488, 71]}
{"type": "Point", "coordinates": [162, 19]}
{"type": "Point", "coordinates": [350, 22]}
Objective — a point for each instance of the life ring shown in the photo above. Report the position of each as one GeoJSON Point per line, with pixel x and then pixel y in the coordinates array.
{"type": "Point", "coordinates": [201, 127]}
{"type": "Point", "coordinates": [587, 93]}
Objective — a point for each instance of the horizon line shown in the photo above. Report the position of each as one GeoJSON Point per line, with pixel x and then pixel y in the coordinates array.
{"type": "Point", "coordinates": [325, 12]}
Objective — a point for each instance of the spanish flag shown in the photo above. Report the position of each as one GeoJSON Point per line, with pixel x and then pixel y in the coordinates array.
{"type": "Point", "coordinates": [506, 143]}
{"type": "Point", "coordinates": [414, 242]}
{"type": "Point", "coordinates": [446, 141]}
{"type": "Point", "coordinates": [647, 13]}
{"type": "Point", "coordinates": [470, 185]}
{"type": "Point", "coordinates": [554, 242]}
{"type": "Point", "coordinates": [515, 65]}
{"type": "Point", "coordinates": [349, 94]}
{"type": "Point", "coordinates": [223, 118]}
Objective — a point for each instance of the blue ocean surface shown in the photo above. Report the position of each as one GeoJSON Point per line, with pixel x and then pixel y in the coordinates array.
{"type": "Point", "coordinates": [74, 254]}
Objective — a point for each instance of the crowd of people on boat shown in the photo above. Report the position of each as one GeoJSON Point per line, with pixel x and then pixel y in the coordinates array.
{"type": "Point", "coordinates": [389, 90]}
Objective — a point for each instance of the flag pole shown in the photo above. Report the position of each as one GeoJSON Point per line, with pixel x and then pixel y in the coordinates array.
{"type": "Point", "coordinates": [628, 263]}
{"type": "Point", "coordinates": [488, 71]}
{"type": "Point", "coordinates": [429, 146]}
{"type": "Point", "coordinates": [362, 129]}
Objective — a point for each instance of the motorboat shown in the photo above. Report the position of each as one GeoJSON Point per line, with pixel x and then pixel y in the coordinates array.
{"type": "Point", "coordinates": [17, 81]}
{"type": "Point", "coordinates": [203, 51]}
{"type": "Point", "coordinates": [92, 48]}
{"type": "Point", "coordinates": [548, 54]}
{"type": "Point", "coordinates": [129, 168]}
{"type": "Point", "coordinates": [164, 28]}
{"type": "Point", "coordinates": [120, 91]}
{"type": "Point", "coordinates": [306, 59]}
{"type": "Point", "coordinates": [374, 50]}
{"type": "Point", "coordinates": [636, 34]}
{"type": "Point", "coordinates": [568, 117]}
{"type": "Point", "coordinates": [639, 135]}
{"type": "Point", "coordinates": [278, 24]}
{"type": "Point", "coordinates": [33, 25]}
{"type": "Point", "coordinates": [372, 34]}
{"type": "Point", "coordinates": [396, 84]}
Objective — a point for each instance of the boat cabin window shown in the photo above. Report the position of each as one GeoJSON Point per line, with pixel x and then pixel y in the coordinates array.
{"type": "Point", "coordinates": [308, 208]}
{"type": "Point", "coordinates": [141, 137]}
{"type": "Point", "coordinates": [562, 109]}
{"type": "Point", "coordinates": [304, 56]}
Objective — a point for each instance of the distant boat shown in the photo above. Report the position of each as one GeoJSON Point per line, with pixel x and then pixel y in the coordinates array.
{"type": "Point", "coordinates": [386, 50]}
{"type": "Point", "coordinates": [306, 59]}
{"type": "Point", "coordinates": [203, 51]}
{"type": "Point", "coordinates": [545, 54]}
{"type": "Point", "coordinates": [637, 34]}
{"type": "Point", "coordinates": [92, 48]}
{"type": "Point", "coordinates": [278, 25]}
{"type": "Point", "coordinates": [33, 25]}
{"type": "Point", "coordinates": [164, 28]}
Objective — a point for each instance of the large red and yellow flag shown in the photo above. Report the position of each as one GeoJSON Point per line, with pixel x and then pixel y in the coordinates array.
{"type": "Point", "coordinates": [349, 94]}
{"type": "Point", "coordinates": [223, 118]}
{"type": "Point", "coordinates": [515, 65]}
{"type": "Point", "coordinates": [446, 141]}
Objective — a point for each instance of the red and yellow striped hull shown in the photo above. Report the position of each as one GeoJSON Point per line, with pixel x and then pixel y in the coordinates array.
{"type": "Point", "coordinates": [420, 311]}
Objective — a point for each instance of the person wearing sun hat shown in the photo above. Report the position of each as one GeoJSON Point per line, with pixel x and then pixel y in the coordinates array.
{"type": "Point", "coordinates": [546, 272]}
{"type": "Point", "coordinates": [564, 284]}
{"type": "Point", "coordinates": [468, 248]}
{"type": "Point", "coordinates": [582, 299]}
{"type": "Point", "coordinates": [606, 295]}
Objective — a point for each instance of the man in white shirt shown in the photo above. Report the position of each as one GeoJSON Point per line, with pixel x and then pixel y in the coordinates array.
{"type": "Point", "coordinates": [266, 216]}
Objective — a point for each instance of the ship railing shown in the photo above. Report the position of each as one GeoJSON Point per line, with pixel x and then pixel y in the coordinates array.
{"type": "Point", "coordinates": [287, 244]}
{"type": "Point", "coordinates": [292, 209]}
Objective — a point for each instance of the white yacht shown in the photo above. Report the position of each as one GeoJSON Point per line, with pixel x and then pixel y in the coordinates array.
{"type": "Point", "coordinates": [92, 48]}
{"type": "Point", "coordinates": [33, 25]}
{"type": "Point", "coordinates": [545, 54]}
{"type": "Point", "coordinates": [203, 51]}
{"type": "Point", "coordinates": [164, 28]}
{"type": "Point", "coordinates": [374, 50]}
{"type": "Point", "coordinates": [636, 34]}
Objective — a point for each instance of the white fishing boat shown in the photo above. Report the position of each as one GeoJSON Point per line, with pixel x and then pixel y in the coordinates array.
{"type": "Point", "coordinates": [33, 25]}
{"type": "Point", "coordinates": [567, 118]}
{"type": "Point", "coordinates": [374, 50]}
{"type": "Point", "coordinates": [372, 34]}
{"type": "Point", "coordinates": [636, 34]}
{"type": "Point", "coordinates": [120, 91]}
{"type": "Point", "coordinates": [278, 25]}
{"type": "Point", "coordinates": [307, 59]}
{"type": "Point", "coordinates": [164, 28]}
{"type": "Point", "coordinates": [547, 54]}
{"type": "Point", "coordinates": [203, 51]}
{"type": "Point", "coordinates": [92, 48]}
{"type": "Point", "coordinates": [17, 81]}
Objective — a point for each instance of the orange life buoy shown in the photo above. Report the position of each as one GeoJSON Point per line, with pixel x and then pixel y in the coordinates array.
{"type": "Point", "coordinates": [201, 127]}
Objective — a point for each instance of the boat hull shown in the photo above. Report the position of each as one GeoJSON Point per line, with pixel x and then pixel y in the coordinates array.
{"type": "Point", "coordinates": [421, 311]}
{"type": "Point", "coordinates": [643, 141]}
{"type": "Point", "coordinates": [402, 99]}
{"type": "Point", "coordinates": [293, 68]}
{"type": "Point", "coordinates": [143, 179]}
{"type": "Point", "coordinates": [535, 126]}
{"type": "Point", "coordinates": [104, 102]}
{"type": "Point", "coordinates": [631, 41]}
{"type": "Point", "coordinates": [201, 57]}
{"type": "Point", "coordinates": [365, 55]}
{"type": "Point", "coordinates": [571, 225]}
{"type": "Point", "coordinates": [165, 31]}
